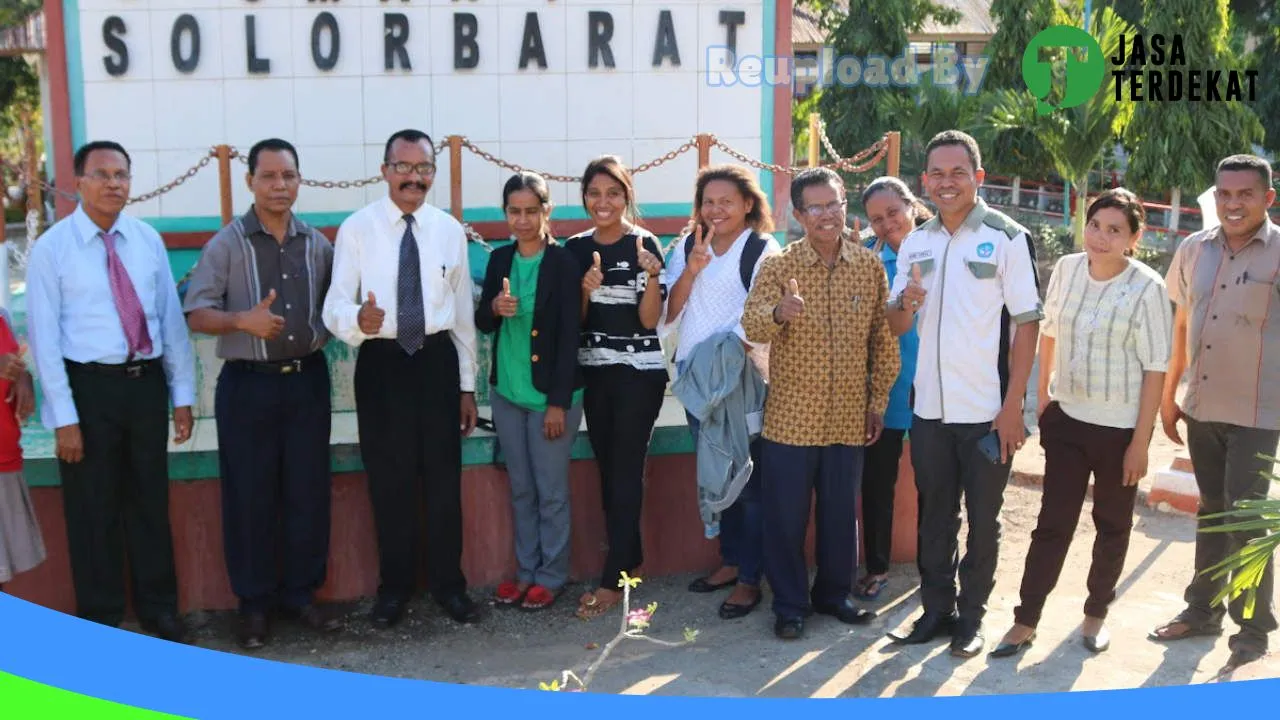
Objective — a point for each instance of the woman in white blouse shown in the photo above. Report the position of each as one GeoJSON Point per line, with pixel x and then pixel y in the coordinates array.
{"type": "Point", "coordinates": [1104, 348]}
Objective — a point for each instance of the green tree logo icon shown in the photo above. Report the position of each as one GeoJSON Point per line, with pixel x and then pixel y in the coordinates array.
{"type": "Point", "coordinates": [1082, 77]}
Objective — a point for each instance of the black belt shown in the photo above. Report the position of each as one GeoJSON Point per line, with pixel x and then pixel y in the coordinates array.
{"type": "Point", "coordinates": [277, 367]}
{"type": "Point", "coordinates": [135, 369]}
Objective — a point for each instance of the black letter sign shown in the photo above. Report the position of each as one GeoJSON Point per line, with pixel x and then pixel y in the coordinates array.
{"type": "Point", "coordinates": [466, 53]}
{"type": "Point", "coordinates": [601, 24]}
{"type": "Point", "coordinates": [255, 64]}
{"type": "Point", "coordinates": [395, 30]}
{"type": "Point", "coordinates": [185, 24]}
{"type": "Point", "coordinates": [731, 19]}
{"type": "Point", "coordinates": [323, 21]}
{"type": "Point", "coordinates": [665, 45]}
{"type": "Point", "coordinates": [113, 37]}
{"type": "Point", "coordinates": [531, 43]}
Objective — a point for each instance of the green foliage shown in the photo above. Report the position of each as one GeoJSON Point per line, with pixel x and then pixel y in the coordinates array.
{"type": "Point", "coordinates": [1243, 569]}
{"type": "Point", "coordinates": [855, 116]}
{"type": "Point", "coordinates": [13, 12]}
{"type": "Point", "coordinates": [1077, 138]}
{"type": "Point", "coordinates": [800, 112]}
{"type": "Point", "coordinates": [1267, 103]}
{"type": "Point", "coordinates": [1177, 144]}
{"type": "Point", "coordinates": [927, 112]}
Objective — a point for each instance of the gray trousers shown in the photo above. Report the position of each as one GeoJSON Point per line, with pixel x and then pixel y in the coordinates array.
{"type": "Point", "coordinates": [539, 472]}
{"type": "Point", "coordinates": [1228, 469]}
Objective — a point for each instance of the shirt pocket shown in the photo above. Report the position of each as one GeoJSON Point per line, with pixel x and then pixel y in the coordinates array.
{"type": "Point", "coordinates": [981, 269]}
{"type": "Point", "coordinates": [1258, 295]}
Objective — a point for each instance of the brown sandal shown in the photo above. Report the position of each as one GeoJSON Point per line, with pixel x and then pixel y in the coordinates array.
{"type": "Point", "coordinates": [1167, 633]}
{"type": "Point", "coordinates": [591, 606]}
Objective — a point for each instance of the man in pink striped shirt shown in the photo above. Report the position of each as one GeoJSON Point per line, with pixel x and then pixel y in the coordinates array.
{"type": "Point", "coordinates": [1226, 284]}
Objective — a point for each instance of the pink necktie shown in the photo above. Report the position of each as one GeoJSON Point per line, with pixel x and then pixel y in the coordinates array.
{"type": "Point", "coordinates": [132, 319]}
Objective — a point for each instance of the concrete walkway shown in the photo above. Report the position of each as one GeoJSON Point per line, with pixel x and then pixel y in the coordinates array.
{"type": "Point", "coordinates": [511, 648]}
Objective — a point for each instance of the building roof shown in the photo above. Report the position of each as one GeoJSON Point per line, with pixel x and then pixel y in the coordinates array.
{"type": "Point", "coordinates": [25, 37]}
{"type": "Point", "coordinates": [975, 20]}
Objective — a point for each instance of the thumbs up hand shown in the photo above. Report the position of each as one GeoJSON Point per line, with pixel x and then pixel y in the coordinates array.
{"type": "Point", "coordinates": [791, 306]}
{"type": "Point", "coordinates": [594, 277]}
{"type": "Point", "coordinates": [260, 322]}
{"type": "Point", "coordinates": [913, 294]}
{"type": "Point", "coordinates": [647, 260]}
{"type": "Point", "coordinates": [370, 316]}
{"type": "Point", "coordinates": [700, 257]}
{"type": "Point", "coordinates": [504, 304]}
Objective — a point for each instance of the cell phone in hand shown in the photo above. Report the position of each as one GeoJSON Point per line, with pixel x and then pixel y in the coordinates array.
{"type": "Point", "coordinates": [989, 446]}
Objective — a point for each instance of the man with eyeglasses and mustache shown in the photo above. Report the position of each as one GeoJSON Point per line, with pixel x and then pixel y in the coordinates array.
{"type": "Point", "coordinates": [258, 287]}
{"type": "Point", "coordinates": [112, 352]}
{"type": "Point", "coordinates": [402, 293]}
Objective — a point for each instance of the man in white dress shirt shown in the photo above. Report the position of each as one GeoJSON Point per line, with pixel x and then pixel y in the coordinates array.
{"type": "Point", "coordinates": [402, 293]}
{"type": "Point", "coordinates": [112, 352]}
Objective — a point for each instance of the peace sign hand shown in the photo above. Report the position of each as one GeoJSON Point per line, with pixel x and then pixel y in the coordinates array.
{"type": "Point", "coordinates": [700, 256]}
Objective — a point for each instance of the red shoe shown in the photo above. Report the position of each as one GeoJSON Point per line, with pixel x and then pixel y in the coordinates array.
{"type": "Point", "coordinates": [538, 598]}
{"type": "Point", "coordinates": [510, 593]}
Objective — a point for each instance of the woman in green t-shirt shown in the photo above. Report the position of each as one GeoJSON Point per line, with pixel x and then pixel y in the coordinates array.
{"type": "Point", "coordinates": [531, 302]}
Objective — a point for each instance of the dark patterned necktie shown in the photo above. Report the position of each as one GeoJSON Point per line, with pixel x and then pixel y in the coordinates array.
{"type": "Point", "coordinates": [411, 327]}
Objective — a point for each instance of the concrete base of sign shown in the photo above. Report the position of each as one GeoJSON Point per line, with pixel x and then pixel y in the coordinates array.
{"type": "Point", "coordinates": [1174, 488]}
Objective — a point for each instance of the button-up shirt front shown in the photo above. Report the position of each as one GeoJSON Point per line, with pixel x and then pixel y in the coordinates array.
{"type": "Point", "coordinates": [71, 312]}
{"type": "Point", "coordinates": [367, 259]}
{"type": "Point", "coordinates": [241, 264]}
{"type": "Point", "coordinates": [837, 361]}
{"type": "Point", "coordinates": [1232, 301]}
{"type": "Point", "coordinates": [970, 278]}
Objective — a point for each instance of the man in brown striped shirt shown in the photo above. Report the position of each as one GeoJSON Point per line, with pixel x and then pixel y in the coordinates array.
{"type": "Point", "coordinates": [1226, 339]}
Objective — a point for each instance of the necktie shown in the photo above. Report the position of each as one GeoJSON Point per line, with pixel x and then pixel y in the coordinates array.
{"type": "Point", "coordinates": [411, 327]}
{"type": "Point", "coordinates": [132, 318]}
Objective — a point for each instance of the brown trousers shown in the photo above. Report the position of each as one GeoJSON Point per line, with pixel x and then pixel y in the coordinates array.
{"type": "Point", "coordinates": [1073, 450]}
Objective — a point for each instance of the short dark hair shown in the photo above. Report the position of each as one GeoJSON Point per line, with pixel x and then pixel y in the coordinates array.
{"type": "Point", "coordinates": [955, 137]}
{"type": "Point", "coordinates": [271, 144]}
{"type": "Point", "coordinates": [526, 180]}
{"type": "Point", "coordinates": [1248, 162]}
{"type": "Point", "coordinates": [890, 184]}
{"type": "Point", "coordinates": [1123, 200]}
{"type": "Point", "coordinates": [810, 178]}
{"type": "Point", "coordinates": [409, 135]}
{"type": "Point", "coordinates": [82, 155]}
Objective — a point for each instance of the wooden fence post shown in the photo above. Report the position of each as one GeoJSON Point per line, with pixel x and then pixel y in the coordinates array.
{"type": "Point", "coordinates": [455, 176]}
{"type": "Point", "coordinates": [815, 143]}
{"type": "Point", "coordinates": [704, 150]}
{"type": "Point", "coordinates": [894, 154]}
{"type": "Point", "coordinates": [224, 181]}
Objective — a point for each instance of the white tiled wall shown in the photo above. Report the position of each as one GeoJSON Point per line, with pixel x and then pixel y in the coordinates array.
{"type": "Point", "coordinates": [552, 120]}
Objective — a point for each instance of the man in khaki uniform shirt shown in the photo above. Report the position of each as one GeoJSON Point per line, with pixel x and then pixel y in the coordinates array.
{"type": "Point", "coordinates": [821, 303]}
{"type": "Point", "coordinates": [1226, 339]}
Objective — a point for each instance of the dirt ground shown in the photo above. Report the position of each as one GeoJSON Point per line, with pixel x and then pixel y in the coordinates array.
{"type": "Point", "coordinates": [512, 648]}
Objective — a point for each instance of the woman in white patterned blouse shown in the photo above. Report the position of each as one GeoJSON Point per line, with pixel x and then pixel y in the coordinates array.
{"type": "Point", "coordinates": [1104, 348]}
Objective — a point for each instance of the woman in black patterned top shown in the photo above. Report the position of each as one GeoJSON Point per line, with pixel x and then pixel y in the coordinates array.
{"type": "Point", "coordinates": [623, 291]}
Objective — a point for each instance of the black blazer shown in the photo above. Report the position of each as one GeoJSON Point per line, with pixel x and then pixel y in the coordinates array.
{"type": "Point", "coordinates": [556, 320]}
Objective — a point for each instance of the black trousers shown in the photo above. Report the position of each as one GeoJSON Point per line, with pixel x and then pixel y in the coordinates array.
{"type": "Point", "coordinates": [409, 417]}
{"type": "Point", "coordinates": [947, 464]}
{"type": "Point", "coordinates": [621, 406]}
{"type": "Point", "coordinates": [116, 499]}
{"type": "Point", "coordinates": [879, 483]}
{"type": "Point", "coordinates": [273, 451]}
{"type": "Point", "coordinates": [1228, 470]}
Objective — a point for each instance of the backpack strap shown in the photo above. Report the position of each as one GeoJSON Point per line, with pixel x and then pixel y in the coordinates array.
{"type": "Point", "coordinates": [756, 244]}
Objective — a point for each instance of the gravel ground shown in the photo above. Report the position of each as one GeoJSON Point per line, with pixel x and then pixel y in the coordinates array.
{"type": "Point", "coordinates": [513, 648]}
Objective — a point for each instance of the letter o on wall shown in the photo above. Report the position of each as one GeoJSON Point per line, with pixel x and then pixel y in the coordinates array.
{"type": "Point", "coordinates": [185, 24]}
{"type": "Point", "coordinates": [325, 21]}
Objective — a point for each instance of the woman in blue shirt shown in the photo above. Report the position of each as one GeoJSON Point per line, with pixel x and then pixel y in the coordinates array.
{"type": "Point", "coordinates": [893, 212]}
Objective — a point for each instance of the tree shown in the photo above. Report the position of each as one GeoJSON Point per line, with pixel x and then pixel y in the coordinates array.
{"type": "Point", "coordinates": [855, 116]}
{"type": "Point", "coordinates": [1176, 145]}
{"type": "Point", "coordinates": [1016, 151]}
{"type": "Point", "coordinates": [927, 112]}
{"type": "Point", "coordinates": [1267, 103]}
{"type": "Point", "coordinates": [1075, 138]}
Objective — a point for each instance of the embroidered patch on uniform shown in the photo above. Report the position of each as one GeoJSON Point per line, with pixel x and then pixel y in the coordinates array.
{"type": "Point", "coordinates": [985, 250]}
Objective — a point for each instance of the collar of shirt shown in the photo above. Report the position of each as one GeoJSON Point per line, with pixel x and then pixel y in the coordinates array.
{"type": "Point", "coordinates": [87, 230]}
{"type": "Point", "coordinates": [810, 256]}
{"type": "Point", "coordinates": [253, 226]}
{"type": "Point", "coordinates": [1267, 233]}
{"type": "Point", "coordinates": [972, 221]}
{"type": "Point", "coordinates": [395, 215]}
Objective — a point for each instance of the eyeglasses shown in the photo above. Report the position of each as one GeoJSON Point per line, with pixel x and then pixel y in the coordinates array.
{"type": "Point", "coordinates": [405, 168]}
{"type": "Point", "coordinates": [817, 211]}
{"type": "Point", "coordinates": [103, 176]}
